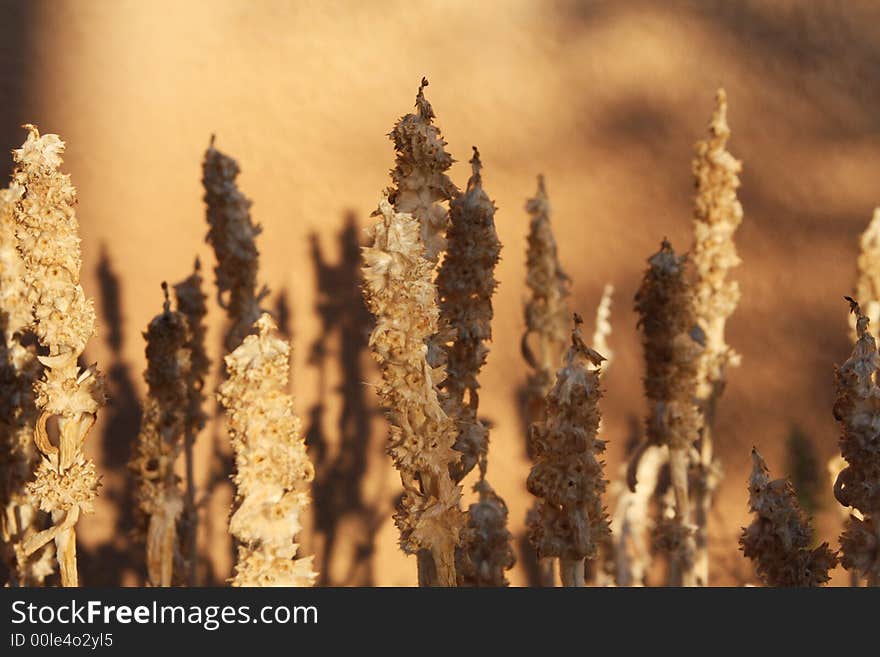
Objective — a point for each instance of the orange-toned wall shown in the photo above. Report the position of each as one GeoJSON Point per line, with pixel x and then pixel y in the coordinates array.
{"type": "Point", "coordinates": [605, 98]}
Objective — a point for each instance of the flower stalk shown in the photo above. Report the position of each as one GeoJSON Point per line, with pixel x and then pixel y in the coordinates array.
{"type": "Point", "coordinates": [66, 482]}
{"type": "Point", "coordinates": [570, 522]}
{"type": "Point", "coordinates": [400, 293]}
{"type": "Point", "coordinates": [717, 215]}
{"type": "Point", "coordinates": [273, 471]}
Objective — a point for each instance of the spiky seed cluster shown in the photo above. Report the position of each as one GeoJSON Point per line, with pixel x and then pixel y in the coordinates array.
{"type": "Point", "coordinates": [400, 293]}
{"type": "Point", "coordinates": [717, 215]}
{"type": "Point", "coordinates": [273, 471]}
{"type": "Point", "coordinates": [232, 235]}
{"type": "Point", "coordinates": [857, 409]}
{"type": "Point", "coordinates": [546, 310]}
{"type": "Point", "coordinates": [567, 476]}
{"type": "Point", "coordinates": [466, 283]}
{"type": "Point", "coordinates": [487, 555]}
{"type": "Point", "coordinates": [46, 230]}
{"type": "Point", "coordinates": [161, 441]}
{"type": "Point", "coordinates": [19, 371]}
{"type": "Point", "coordinates": [868, 283]}
{"type": "Point", "coordinates": [778, 540]}
{"type": "Point", "coordinates": [672, 344]}
{"type": "Point", "coordinates": [421, 185]}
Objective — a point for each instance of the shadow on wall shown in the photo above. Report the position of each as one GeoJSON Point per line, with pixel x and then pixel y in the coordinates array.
{"type": "Point", "coordinates": [108, 563]}
{"type": "Point", "coordinates": [341, 514]}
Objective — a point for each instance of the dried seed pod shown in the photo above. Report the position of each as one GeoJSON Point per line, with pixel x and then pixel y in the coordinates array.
{"type": "Point", "coordinates": [717, 215]}
{"type": "Point", "coordinates": [672, 343]}
{"type": "Point", "coordinates": [191, 304]}
{"type": "Point", "coordinates": [273, 471]}
{"type": "Point", "coordinates": [399, 291]}
{"type": "Point", "coordinates": [546, 310]}
{"type": "Point", "coordinates": [161, 442]}
{"type": "Point", "coordinates": [778, 540]}
{"type": "Point", "coordinates": [466, 283]}
{"type": "Point", "coordinates": [567, 475]}
{"type": "Point", "coordinates": [19, 372]}
{"type": "Point", "coordinates": [421, 185]}
{"type": "Point", "coordinates": [858, 484]}
{"type": "Point", "coordinates": [487, 553]}
{"type": "Point", "coordinates": [66, 482]}
{"type": "Point", "coordinates": [232, 235]}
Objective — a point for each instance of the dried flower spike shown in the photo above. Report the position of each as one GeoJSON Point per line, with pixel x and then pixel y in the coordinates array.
{"type": "Point", "coordinates": [465, 284]}
{"type": "Point", "coordinates": [191, 304]}
{"type": "Point", "coordinates": [19, 372]}
{"type": "Point", "coordinates": [672, 344]}
{"type": "Point", "coordinates": [232, 234]}
{"type": "Point", "coordinates": [778, 540]}
{"type": "Point", "coordinates": [717, 215]}
{"type": "Point", "coordinates": [567, 476]}
{"type": "Point", "coordinates": [66, 482]}
{"type": "Point", "coordinates": [857, 409]}
{"type": "Point", "coordinates": [400, 293]}
{"type": "Point", "coordinates": [868, 283]}
{"type": "Point", "coordinates": [546, 310]}
{"type": "Point", "coordinates": [273, 471]}
{"type": "Point", "coordinates": [421, 185]}
{"type": "Point", "coordinates": [161, 442]}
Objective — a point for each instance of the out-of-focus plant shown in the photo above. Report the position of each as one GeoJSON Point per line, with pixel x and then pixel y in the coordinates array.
{"type": "Point", "coordinates": [778, 540]}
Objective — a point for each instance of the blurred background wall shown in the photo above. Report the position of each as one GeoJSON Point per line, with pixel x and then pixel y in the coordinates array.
{"type": "Point", "coordinates": [605, 98]}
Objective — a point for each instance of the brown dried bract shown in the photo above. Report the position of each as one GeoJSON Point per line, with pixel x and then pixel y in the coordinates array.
{"type": "Point", "coordinates": [778, 540]}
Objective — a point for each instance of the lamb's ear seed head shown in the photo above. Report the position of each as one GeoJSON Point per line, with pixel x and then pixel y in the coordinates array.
{"type": "Point", "coordinates": [717, 215]}
{"type": "Point", "coordinates": [420, 184]}
{"type": "Point", "coordinates": [273, 471]}
{"type": "Point", "coordinates": [778, 539]}
{"type": "Point", "coordinates": [856, 486]}
{"type": "Point", "coordinates": [63, 320]}
{"type": "Point", "coordinates": [400, 293]}
{"type": "Point", "coordinates": [161, 441]}
{"type": "Point", "coordinates": [232, 234]}
{"type": "Point", "coordinates": [673, 344]}
{"type": "Point", "coordinates": [567, 476]}
{"type": "Point", "coordinates": [19, 372]}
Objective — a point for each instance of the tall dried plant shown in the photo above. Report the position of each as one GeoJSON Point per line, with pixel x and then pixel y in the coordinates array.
{"type": "Point", "coordinates": [868, 269]}
{"type": "Point", "coordinates": [673, 343]}
{"type": "Point", "coordinates": [191, 304]}
{"type": "Point", "coordinates": [858, 484]}
{"type": "Point", "coordinates": [420, 184]}
{"type": "Point", "coordinates": [547, 314]}
{"type": "Point", "coordinates": [465, 284]}
{"type": "Point", "coordinates": [400, 292]}
{"type": "Point", "coordinates": [717, 215]}
{"type": "Point", "coordinates": [232, 234]}
{"type": "Point", "coordinates": [778, 539]}
{"type": "Point", "coordinates": [567, 478]}
{"type": "Point", "coordinates": [19, 372]}
{"type": "Point", "coordinates": [66, 482]}
{"type": "Point", "coordinates": [273, 471]}
{"type": "Point", "coordinates": [546, 309]}
{"type": "Point", "coordinates": [161, 442]}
